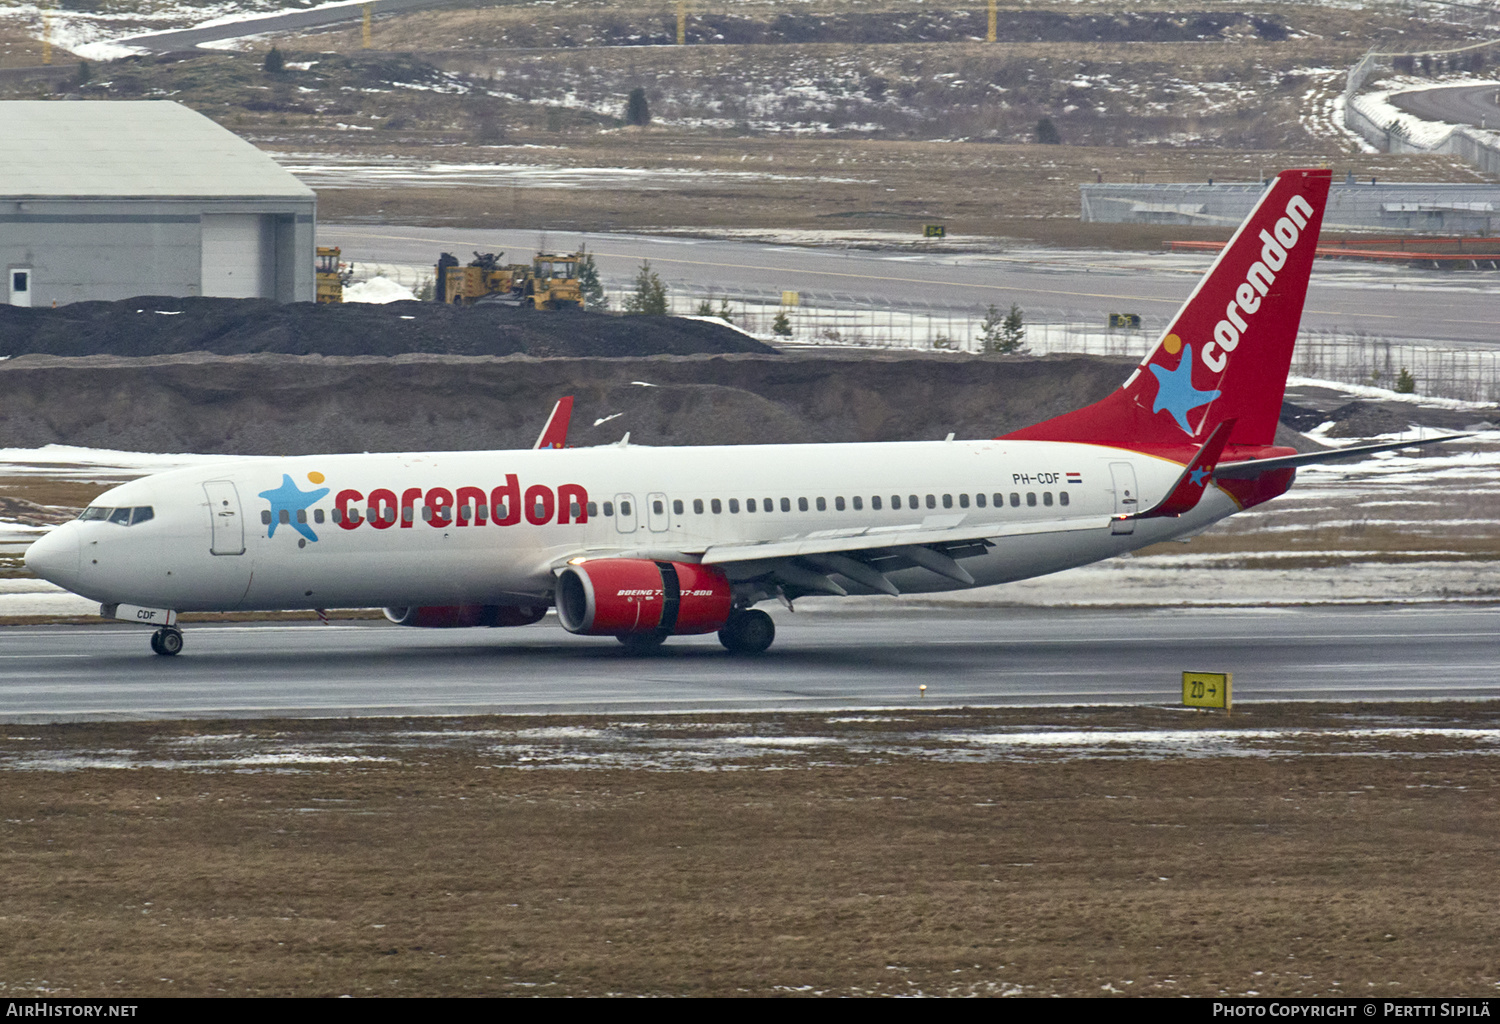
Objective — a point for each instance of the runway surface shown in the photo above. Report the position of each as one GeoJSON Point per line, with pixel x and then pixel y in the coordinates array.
{"type": "Point", "coordinates": [821, 661]}
{"type": "Point", "coordinates": [1461, 307]}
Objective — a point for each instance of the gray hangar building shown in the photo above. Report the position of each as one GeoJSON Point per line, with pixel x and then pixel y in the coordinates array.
{"type": "Point", "coordinates": [108, 200]}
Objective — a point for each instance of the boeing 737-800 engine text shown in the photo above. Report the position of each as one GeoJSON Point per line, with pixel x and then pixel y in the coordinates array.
{"type": "Point", "coordinates": [643, 543]}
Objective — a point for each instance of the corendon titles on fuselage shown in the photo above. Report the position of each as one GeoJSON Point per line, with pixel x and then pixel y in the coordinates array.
{"type": "Point", "coordinates": [505, 505]}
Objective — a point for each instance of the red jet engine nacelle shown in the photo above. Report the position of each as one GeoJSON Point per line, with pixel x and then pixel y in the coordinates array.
{"type": "Point", "coordinates": [633, 596]}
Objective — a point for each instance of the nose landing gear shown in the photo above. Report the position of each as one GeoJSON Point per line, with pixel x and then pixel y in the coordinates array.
{"type": "Point", "coordinates": [167, 640]}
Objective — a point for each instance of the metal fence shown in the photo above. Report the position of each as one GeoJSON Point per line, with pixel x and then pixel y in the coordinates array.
{"type": "Point", "coordinates": [1346, 357]}
{"type": "Point", "coordinates": [881, 322]}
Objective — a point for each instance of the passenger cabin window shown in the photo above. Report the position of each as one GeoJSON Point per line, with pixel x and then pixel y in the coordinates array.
{"type": "Point", "coordinates": [1062, 497]}
{"type": "Point", "coordinates": [265, 517]}
{"type": "Point", "coordinates": [609, 508]}
{"type": "Point", "coordinates": [1015, 500]}
{"type": "Point", "coordinates": [1031, 499]}
{"type": "Point", "coordinates": [838, 504]}
{"type": "Point", "coordinates": [1047, 498]}
{"type": "Point", "coordinates": [734, 505]}
{"type": "Point", "coordinates": [875, 502]}
{"type": "Point", "coordinates": [947, 501]}
{"type": "Point", "coordinates": [716, 505]}
{"type": "Point", "coordinates": [895, 501]}
{"type": "Point", "coordinates": [911, 501]}
{"type": "Point", "coordinates": [931, 501]}
{"type": "Point", "coordinates": [698, 506]}
{"type": "Point", "coordinates": [657, 506]}
{"type": "Point", "coordinates": [593, 509]}
{"type": "Point", "coordinates": [822, 504]}
{"type": "Point", "coordinates": [786, 504]}
{"type": "Point", "coordinates": [978, 500]}
{"type": "Point", "coordinates": [859, 503]}
{"type": "Point", "coordinates": [801, 504]}
{"type": "Point", "coordinates": [624, 508]}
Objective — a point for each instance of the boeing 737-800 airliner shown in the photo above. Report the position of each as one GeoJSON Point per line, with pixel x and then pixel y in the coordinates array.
{"type": "Point", "coordinates": [642, 543]}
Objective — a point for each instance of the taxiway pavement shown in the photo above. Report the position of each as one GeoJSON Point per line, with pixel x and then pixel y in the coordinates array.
{"type": "Point", "coordinates": [821, 661]}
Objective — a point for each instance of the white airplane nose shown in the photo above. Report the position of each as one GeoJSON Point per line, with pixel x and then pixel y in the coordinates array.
{"type": "Point", "coordinates": [55, 556]}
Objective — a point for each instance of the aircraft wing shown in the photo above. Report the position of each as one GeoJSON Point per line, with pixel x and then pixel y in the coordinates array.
{"type": "Point", "coordinates": [1254, 467]}
{"type": "Point", "coordinates": [866, 554]}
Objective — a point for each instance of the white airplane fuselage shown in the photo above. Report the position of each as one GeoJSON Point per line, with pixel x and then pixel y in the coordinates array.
{"type": "Point", "coordinates": [216, 542]}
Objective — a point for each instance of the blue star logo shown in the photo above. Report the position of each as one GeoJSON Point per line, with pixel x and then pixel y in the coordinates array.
{"type": "Point", "coordinates": [289, 499]}
{"type": "Point", "coordinates": [1175, 392]}
{"type": "Point", "coordinates": [1198, 476]}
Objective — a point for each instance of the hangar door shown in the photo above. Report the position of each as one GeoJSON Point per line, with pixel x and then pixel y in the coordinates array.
{"type": "Point", "coordinates": [232, 260]}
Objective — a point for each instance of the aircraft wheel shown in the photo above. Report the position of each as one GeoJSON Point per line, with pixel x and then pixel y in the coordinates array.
{"type": "Point", "coordinates": [639, 643]}
{"type": "Point", "coordinates": [167, 641]}
{"type": "Point", "coordinates": [748, 632]}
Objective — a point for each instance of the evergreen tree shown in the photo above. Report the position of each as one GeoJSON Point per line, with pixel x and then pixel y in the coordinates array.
{"type": "Point", "coordinates": [782, 325]}
{"type": "Point", "coordinates": [1047, 133]}
{"type": "Point", "coordinates": [275, 62]}
{"type": "Point", "coordinates": [725, 313]}
{"type": "Point", "coordinates": [636, 110]}
{"type": "Point", "coordinates": [1003, 333]}
{"type": "Point", "coordinates": [1406, 384]}
{"type": "Point", "coordinates": [650, 295]}
{"type": "Point", "coordinates": [589, 284]}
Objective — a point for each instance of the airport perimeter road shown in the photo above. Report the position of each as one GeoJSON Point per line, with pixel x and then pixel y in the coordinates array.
{"type": "Point", "coordinates": [186, 39]}
{"type": "Point", "coordinates": [1460, 307]}
{"type": "Point", "coordinates": [821, 661]}
{"type": "Point", "coordinates": [1455, 104]}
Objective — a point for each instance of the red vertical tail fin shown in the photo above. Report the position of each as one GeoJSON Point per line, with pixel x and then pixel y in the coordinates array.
{"type": "Point", "coordinates": [1227, 352]}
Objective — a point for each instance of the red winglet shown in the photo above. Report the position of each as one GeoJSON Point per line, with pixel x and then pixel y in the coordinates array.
{"type": "Point", "coordinates": [1195, 478]}
{"type": "Point", "coordinates": [555, 433]}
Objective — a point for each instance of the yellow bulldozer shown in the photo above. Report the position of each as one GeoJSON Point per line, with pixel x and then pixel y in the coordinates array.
{"type": "Point", "coordinates": [550, 281]}
{"type": "Point", "coordinates": [333, 276]}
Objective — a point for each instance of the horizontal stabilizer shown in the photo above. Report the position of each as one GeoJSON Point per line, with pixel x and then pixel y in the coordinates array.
{"type": "Point", "coordinates": [1255, 467]}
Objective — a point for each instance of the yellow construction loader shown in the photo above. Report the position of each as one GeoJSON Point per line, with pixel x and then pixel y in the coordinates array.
{"type": "Point", "coordinates": [549, 282]}
{"type": "Point", "coordinates": [333, 276]}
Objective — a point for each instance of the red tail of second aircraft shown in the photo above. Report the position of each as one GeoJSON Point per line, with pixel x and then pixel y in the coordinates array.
{"type": "Point", "coordinates": [1227, 352]}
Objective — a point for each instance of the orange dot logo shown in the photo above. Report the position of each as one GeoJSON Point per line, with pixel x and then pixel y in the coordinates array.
{"type": "Point", "coordinates": [315, 477]}
{"type": "Point", "coordinates": [1172, 343]}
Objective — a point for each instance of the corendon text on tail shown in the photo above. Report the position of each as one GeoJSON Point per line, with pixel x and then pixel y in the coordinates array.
{"type": "Point", "coordinates": [646, 543]}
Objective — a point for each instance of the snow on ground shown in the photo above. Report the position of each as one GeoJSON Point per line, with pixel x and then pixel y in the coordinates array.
{"type": "Point", "coordinates": [1378, 108]}
{"type": "Point", "coordinates": [331, 172]}
{"type": "Point", "coordinates": [380, 290]}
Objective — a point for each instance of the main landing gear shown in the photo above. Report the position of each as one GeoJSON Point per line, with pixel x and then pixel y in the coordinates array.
{"type": "Point", "coordinates": [167, 640]}
{"type": "Point", "coordinates": [749, 631]}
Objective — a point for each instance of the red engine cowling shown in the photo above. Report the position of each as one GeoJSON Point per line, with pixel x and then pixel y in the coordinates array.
{"type": "Point", "coordinates": [460, 615]}
{"type": "Point", "coordinates": [624, 596]}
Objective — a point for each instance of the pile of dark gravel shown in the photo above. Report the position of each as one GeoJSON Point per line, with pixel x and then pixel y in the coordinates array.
{"type": "Point", "coordinates": [157, 325]}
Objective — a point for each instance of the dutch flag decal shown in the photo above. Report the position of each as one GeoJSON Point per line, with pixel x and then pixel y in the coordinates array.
{"type": "Point", "coordinates": [1075, 478]}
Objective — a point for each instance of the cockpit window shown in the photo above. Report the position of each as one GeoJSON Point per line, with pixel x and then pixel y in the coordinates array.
{"type": "Point", "coordinates": [121, 516]}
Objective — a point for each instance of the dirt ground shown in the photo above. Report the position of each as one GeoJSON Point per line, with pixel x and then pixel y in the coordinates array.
{"type": "Point", "coordinates": [1290, 849]}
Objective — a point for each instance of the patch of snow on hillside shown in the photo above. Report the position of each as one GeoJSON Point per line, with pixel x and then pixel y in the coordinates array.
{"type": "Point", "coordinates": [378, 290]}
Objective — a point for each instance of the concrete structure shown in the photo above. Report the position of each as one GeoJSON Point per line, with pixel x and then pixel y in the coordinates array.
{"type": "Point", "coordinates": [1399, 208]}
{"type": "Point", "coordinates": [105, 200]}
